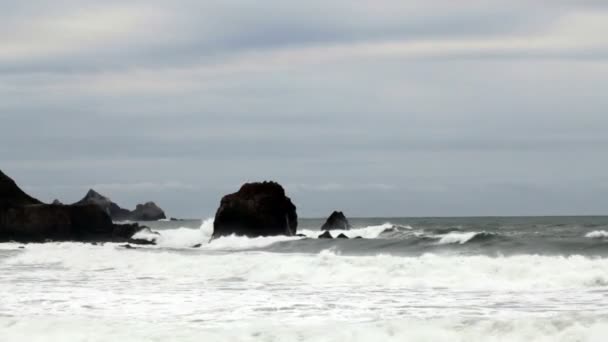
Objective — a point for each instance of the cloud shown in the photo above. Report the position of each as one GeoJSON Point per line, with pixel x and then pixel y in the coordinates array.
{"type": "Point", "coordinates": [350, 104]}
{"type": "Point", "coordinates": [73, 36]}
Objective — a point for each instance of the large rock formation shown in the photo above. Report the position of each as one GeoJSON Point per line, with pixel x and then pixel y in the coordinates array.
{"type": "Point", "coordinates": [26, 219]}
{"type": "Point", "coordinates": [336, 220]}
{"type": "Point", "coordinates": [257, 209]}
{"type": "Point", "coordinates": [143, 212]}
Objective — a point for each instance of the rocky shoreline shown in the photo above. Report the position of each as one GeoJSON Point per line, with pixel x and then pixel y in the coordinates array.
{"type": "Point", "coordinates": [256, 209]}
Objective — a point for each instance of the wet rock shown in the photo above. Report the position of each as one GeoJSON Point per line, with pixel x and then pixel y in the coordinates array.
{"type": "Point", "coordinates": [198, 245]}
{"type": "Point", "coordinates": [257, 209]}
{"type": "Point", "coordinates": [336, 221]}
{"type": "Point", "coordinates": [341, 236]}
{"type": "Point", "coordinates": [326, 235]}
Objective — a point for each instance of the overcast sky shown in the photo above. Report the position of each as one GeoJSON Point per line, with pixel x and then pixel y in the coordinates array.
{"type": "Point", "coordinates": [378, 108]}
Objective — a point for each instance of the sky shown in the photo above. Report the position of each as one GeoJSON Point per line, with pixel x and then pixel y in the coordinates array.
{"type": "Point", "coordinates": [376, 108]}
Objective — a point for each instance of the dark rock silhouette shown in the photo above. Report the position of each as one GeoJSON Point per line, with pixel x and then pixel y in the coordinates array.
{"type": "Point", "coordinates": [11, 195]}
{"type": "Point", "coordinates": [326, 235]}
{"type": "Point", "coordinates": [257, 209]}
{"type": "Point", "coordinates": [111, 208]}
{"type": "Point", "coordinates": [57, 202]}
{"type": "Point", "coordinates": [341, 236]}
{"type": "Point", "coordinates": [336, 220]}
{"type": "Point", "coordinates": [148, 211]}
{"type": "Point", "coordinates": [143, 212]}
{"type": "Point", "coordinates": [26, 219]}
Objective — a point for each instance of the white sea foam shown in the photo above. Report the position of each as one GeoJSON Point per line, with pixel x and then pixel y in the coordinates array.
{"type": "Point", "coordinates": [327, 267]}
{"type": "Point", "coordinates": [75, 292]}
{"type": "Point", "coordinates": [565, 328]}
{"type": "Point", "coordinates": [598, 234]}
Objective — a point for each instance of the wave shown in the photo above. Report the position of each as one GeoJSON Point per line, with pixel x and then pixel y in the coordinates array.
{"type": "Point", "coordinates": [464, 237]}
{"type": "Point", "coordinates": [328, 267]}
{"type": "Point", "coordinates": [184, 237]}
{"type": "Point", "coordinates": [370, 232]}
{"type": "Point", "coordinates": [597, 234]}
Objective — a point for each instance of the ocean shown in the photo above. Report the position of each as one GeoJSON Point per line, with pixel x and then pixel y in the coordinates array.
{"type": "Point", "coordinates": [407, 279]}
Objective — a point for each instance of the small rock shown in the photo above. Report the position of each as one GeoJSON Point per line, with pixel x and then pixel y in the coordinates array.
{"type": "Point", "coordinates": [336, 220]}
{"type": "Point", "coordinates": [198, 245]}
{"type": "Point", "coordinates": [342, 236]}
{"type": "Point", "coordinates": [326, 235]}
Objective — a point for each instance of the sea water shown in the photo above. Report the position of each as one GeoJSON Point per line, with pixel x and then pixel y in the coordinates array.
{"type": "Point", "coordinates": [423, 279]}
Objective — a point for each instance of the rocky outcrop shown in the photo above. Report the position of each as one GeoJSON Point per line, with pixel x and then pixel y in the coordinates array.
{"type": "Point", "coordinates": [11, 195]}
{"type": "Point", "coordinates": [257, 209]}
{"type": "Point", "coordinates": [336, 220]}
{"type": "Point", "coordinates": [111, 208]}
{"type": "Point", "coordinates": [148, 211]}
{"type": "Point", "coordinates": [143, 212]}
{"type": "Point", "coordinates": [342, 236]}
{"type": "Point", "coordinates": [326, 235]}
{"type": "Point", "coordinates": [25, 219]}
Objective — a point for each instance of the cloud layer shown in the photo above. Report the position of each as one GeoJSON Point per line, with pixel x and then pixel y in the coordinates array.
{"type": "Point", "coordinates": [384, 108]}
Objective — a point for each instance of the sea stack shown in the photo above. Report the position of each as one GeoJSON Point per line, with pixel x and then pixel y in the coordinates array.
{"type": "Point", "coordinates": [335, 221]}
{"type": "Point", "coordinates": [143, 212]}
{"type": "Point", "coordinates": [26, 219]}
{"type": "Point", "coordinates": [257, 209]}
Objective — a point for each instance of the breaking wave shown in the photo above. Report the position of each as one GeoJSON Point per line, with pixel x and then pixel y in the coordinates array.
{"type": "Point", "coordinates": [597, 234]}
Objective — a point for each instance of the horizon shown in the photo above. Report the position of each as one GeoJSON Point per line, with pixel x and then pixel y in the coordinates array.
{"type": "Point", "coordinates": [394, 108]}
{"type": "Point", "coordinates": [329, 212]}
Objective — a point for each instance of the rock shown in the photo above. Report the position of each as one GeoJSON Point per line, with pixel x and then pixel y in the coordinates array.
{"type": "Point", "coordinates": [111, 208]}
{"type": "Point", "coordinates": [336, 220]}
{"type": "Point", "coordinates": [257, 209]}
{"type": "Point", "coordinates": [326, 235]}
{"type": "Point", "coordinates": [143, 212]}
{"type": "Point", "coordinates": [301, 235]}
{"type": "Point", "coordinates": [57, 202]}
{"type": "Point", "coordinates": [25, 219]}
{"type": "Point", "coordinates": [198, 245]}
{"type": "Point", "coordinates": [358, 237]}
{"type": "Point", "coordinates": [147, 212]}
{"type": "Point", "coordinates": [127, 246]}
{"type": "Point", "coordinates": [11, 195]}
{"type": "Point", "coordinates": [142, 242]}
{"type": "Point", "coordinates": [341, 236]}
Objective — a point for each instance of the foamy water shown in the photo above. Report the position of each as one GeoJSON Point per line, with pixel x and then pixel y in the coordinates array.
{"type": "Point", "coordinates": [240, 289]}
